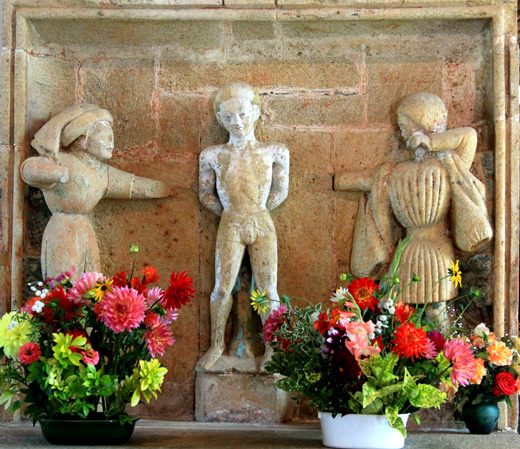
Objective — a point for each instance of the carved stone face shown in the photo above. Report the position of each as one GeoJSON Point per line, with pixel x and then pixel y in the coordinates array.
{"type": "Point", "coordinates": [238, 116]}
{"type": "Point", "coordinates": [100, 141]}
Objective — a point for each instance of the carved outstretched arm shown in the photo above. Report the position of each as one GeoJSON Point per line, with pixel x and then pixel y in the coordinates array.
{"type": "Point", "coordinates": [360, 181]}
{"type": "Point", "coordinates": [124, 185]}
{"type": "Point", "coordinates": [280, 183]}
{"type": "Point", "coordinates": [207, 185]}
{"type": "Point", "coordinates": [43, 172]}
{"type": "Point", "coordinates": [462, 140]}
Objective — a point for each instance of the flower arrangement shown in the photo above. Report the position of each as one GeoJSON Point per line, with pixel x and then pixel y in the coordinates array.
{"type": "Point", "coordinates": [369, 354]}
{"type": "Point", "coordinates": [497, 371]}
{"type": "Point", "coordinates": [85, 346]}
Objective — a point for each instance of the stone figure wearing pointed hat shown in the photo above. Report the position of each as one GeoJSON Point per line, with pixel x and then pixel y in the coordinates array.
{"type": "Point", "coordinates": [73, 175]}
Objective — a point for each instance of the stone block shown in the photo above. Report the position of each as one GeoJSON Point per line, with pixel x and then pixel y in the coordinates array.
{"type": "Point", "coordinates": [244, 30]}
{"type": "Point", "coordinates": [304, 226]}
{"type": "Point", "coordinates": [389, 83]}
{"type": "Point", "coordinates": [51, 87]}
{"type": "Point", "coordinates": [5, 96]}
{"type": "Point", "coordinates": [345, 205]}
{"type": "Point", "coordinates": [311, 157]}
{"type": "Point", "coordinates": [365, 149]}
{"type": "Point", "coordinates": [124, 87]}
{"type": "Point", "coordinates": [251, 3]}
{"type": "Point", "coordinates": [188, 76]}
{"type": "Point", "coordinates": [240, 397]}
{"type": "Point", "coordinates": [324, 110]}
{"type": "Point", "coordinates": [178, 126]}
{"type": "Point", "coordinates": [5, 199]}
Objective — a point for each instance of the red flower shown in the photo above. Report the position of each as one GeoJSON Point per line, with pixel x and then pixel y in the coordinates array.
{"type": "Point", "coordinates": [273, 323]}
{"type": "Point", "coordinates": [150, 275]}
{"type": "Point", "coordinates": [409, 341]}
{"type": "Point", "coordinates": [66, 307]}
{"type": "Point", "coordinates": [403, 312]}
{"type": "Point", "coordinates": [179, 292]}
{"type": "Point", "coordinates": [120, 280]}
{"type": "Point", "coordinates": [437, 339]}
{"type": "Point", "coordinates": [90, 356]}
{"type": "Point", "coordinates": [505, 383]}
{"type": "Point", "coordinates": [322, 324]}
{"type": "Point", "coordinates": [29, 353]}
{"type": "Point", "coordinates": [135, 283]}
{"type": "Point", "coordinates": [379, 341]}
{"type": "Point", "coordinates": [361, 290]}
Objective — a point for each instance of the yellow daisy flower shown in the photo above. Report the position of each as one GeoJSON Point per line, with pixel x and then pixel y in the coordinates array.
{"type": "Point", "coordinates": [455, 273]}
{"type": "Point", "coordinates": [259, 301]}
{"type": "Point", "coordinates": [101, 289]}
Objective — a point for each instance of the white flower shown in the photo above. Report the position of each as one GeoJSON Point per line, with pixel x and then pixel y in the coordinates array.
{"type": "Point", "coordinates": [481, 330]}
{"type": "Point", "coordinates": [340, 293]}
{"type": "Point", "coordinates": [39, 284]}
{"type": "Point", "coordinates": [391, 310]}
{"type": "Point", "coordinates": [38, 306]}
{"type": "Point", "coordinates": [38, 293]}
{"type": "Point", "coordinates": [371, 335]}
{"type": "Point", "coordinates": [33, 288]}
{"type": "Point", "coordinates": [383, 318]}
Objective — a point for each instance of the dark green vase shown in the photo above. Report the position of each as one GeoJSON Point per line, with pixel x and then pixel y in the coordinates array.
{"type": "Point", "coordinates": [481, 418]}
{"type": "Point", "coordinates": [89, 432]}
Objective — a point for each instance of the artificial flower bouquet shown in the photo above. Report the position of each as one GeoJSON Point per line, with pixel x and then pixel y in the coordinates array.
{"type": "Point", "coordinates": [85, 346]}
{"type": "Point", "coordinates": [497, 371]}
{"type": "Point", "coordinates": [369, 354]}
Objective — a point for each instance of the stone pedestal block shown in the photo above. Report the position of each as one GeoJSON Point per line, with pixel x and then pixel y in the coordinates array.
{"type": "Point", "coordinates": [240, 397]}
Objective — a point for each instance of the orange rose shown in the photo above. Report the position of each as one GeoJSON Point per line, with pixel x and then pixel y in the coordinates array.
{"type": "Point", "coordinates": [499, 353]}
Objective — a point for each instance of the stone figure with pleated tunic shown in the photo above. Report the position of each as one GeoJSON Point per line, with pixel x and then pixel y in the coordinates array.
{"type": "Point", "coordinates": [73, 175]}
{"type": "Point", "coordinates": [416, 196]}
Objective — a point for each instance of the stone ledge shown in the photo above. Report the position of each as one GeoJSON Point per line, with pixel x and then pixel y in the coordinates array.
{"type": "Point", "coordinates": [161, 434]}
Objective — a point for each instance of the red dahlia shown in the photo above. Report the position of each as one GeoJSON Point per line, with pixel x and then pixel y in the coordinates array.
{"type": "Point", "coordinates": [179, 292]}
{"type": "Point", "coordinates": [361, 290]}
{"type": "Point", "coordinates": [409, 341]}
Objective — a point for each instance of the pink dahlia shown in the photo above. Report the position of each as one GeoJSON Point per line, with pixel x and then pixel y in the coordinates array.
{"type": "Point", "coordinates": [122, 309]}
{"type": "Point", "coordinates": [86, 282]}
{"type": "Point", "coordinates": [169, 316]}
{"type": "Point", "coordinates": [154, 295]}
{"type": "Point", "coordinates": [29, 353]}
{"type": "Point", "coordinates": [431, 350]}
{"type": "Point", "coordinates": [273, 323]}
{"type": "Point", "coordinates": [90, 356]}
{"type": "Point", "coordinates": [464, 364]}
{"type": "Point", "coordinates": [158, 339]}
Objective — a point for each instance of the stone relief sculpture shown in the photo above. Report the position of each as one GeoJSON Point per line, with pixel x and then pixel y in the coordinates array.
{"type": "Point", "coordinates": [241, 182]}
{"type": "Point", "coordinates": [73, 175]}
{"type": "Point", "coordinates": [417, 195]}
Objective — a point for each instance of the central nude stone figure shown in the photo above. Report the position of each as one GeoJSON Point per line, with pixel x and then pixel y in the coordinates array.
{"type": "Point", "coordinates": [241, 182]}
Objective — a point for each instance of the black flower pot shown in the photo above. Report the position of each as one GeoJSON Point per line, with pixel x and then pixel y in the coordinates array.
{"type": "Point", "coordinates": [481, 418]}
{"type": "Point", "coordinates": [89, 432]}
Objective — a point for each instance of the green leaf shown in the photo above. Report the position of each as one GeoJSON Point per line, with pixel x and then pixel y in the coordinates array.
{"type": "Point", "coordinates": [426, 396]}
{"type": "Point", "coordinates": [416, 418]}
{"type": "Point", "coordinates": [364, 365]}
{"type": "Point", "coordinates": [395, 421]}
{"type": "Point", "coordinates": [135, 398]}
{"type": "Point", "coordinates": [370, 393]}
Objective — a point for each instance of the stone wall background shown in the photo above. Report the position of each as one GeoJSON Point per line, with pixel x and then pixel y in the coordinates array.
{"type": "Point", "coordinates": [329, 92]}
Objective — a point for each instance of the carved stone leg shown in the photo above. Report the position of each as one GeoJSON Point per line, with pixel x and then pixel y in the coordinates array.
{"type": "Point", "coordinates": [438, 313]}
{"type": "Point", "coordinates": [229, 256]}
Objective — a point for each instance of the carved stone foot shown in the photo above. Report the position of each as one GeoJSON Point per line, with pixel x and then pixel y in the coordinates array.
{"type": "Point", "coordinates": [266, 358]}
{"type": "Point", "coordinates": [209, 359]}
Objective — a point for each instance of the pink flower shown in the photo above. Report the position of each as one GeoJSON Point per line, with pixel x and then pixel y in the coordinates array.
{"type": "Point", "coordinates": [66, 275]}
{"type": "Point", "coordinates": [154, 295]}
{"type": "Point", "coordinates": [29, 353]}
{"type": "Point", "coordinates": [273, 323]}
{"type": "Point", "coordinates": [90, 356]}
{"type": "Point", "coordinates": [151, 319]}
{"type": "Point", "coordinates": [358, 342]}
{"type": "Point", "coordinates": [464, 364]}
{"type": "Point", "coordinates": [121, 310]}
{"type": "Point", "coordinates": [158, 339]}
{"type": "Point", "coordinates": [171, 315]}
{"type": "Point", "coordinates": [431, 350]}
{"type": "Point", "coordinates": [86, 282]}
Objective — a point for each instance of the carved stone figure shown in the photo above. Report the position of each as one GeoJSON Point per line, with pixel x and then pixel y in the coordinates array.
{"type": "Point", "coordinates": [241, 182]}
{"type": "Point", "coordinates": [73, 176]}
{"type": "Point", "coordinates": [418, 194]}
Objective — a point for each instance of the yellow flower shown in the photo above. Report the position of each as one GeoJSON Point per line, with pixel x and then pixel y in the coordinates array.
{"type": "Point", "coordinates": [259, 301]}
{"type": "Point", "coordinates": [15, 331]}
{"type": "Point", "coordinates": [455, 273]}
{"type": "Point", "coordinates": [101, 289]}
{"type": "Point", "coordinates": [148, 379]}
